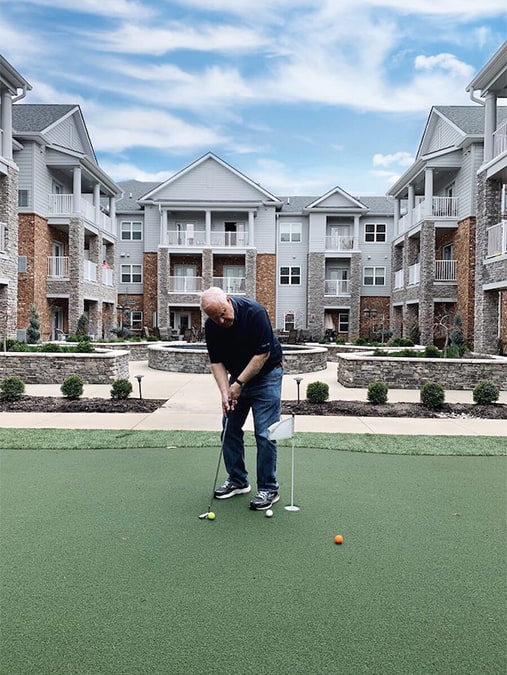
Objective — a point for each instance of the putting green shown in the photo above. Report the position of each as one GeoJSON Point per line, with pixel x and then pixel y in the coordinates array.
{"type": "Point", "coordinates": [106, 568]}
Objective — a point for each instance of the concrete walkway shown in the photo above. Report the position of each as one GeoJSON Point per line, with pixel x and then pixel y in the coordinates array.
{"type": "Point", "coordinates": [193, 403]}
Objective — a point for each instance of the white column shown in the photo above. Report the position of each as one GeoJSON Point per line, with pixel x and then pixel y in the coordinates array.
{"type": "Point", "coordinates": [410, 204]}
{"type": "Point", "coordinates": [163, 227]}
{"type": "Point", "coordinates": [356, 244]}
{"type": "Point", "coordinates": [76, 189]}
{"type": "Point", "coordinates": [6, 124]}
{"type": "Point", "coordinates": [207, 220]}
{"type": "Point", "coordinates": [396, 215]}
{"type": "Point", "coordinates": [428, 192]}
{"type": "Point", "coordinates": [251, 228]}
{"type": "Point", "coordinates": [112, 211]}
{"type": "Point", "coordinates": [489, 125]}
{"type": "Point", "coordinates": [96, 202]}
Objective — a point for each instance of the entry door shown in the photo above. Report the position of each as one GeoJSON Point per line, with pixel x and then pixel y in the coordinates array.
{"type": "Point", "coordinates": [57, 266]}
{"type": "Point", "coordinates": [181, 321]}
{"type": "Point", "coordinates": [57, 323]}
{"type": "Point", "coordinates": [186, 278]}
{"type": "Point", "coordinates": [234, 279]}
{"type": "Point", "coordinates": [340, 277]}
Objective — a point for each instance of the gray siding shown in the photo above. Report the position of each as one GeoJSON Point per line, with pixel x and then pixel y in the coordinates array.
{"type": "Point", "coordinates": [293, 254]}
{"type": "Point", "coordinates": [443, 136]}
{"type": "Point", "coordinates": [376, 254]}
{"type": "Point", "coordinates": [210, 181]}
{"type": "Point", "coordinates": [151, 229]}
{"type": "Point", "coordinates": [317, 232]}
{"type": "Point", "coordinates": [67, 135]}
{"type": "Point", "coordinates": [265, 230]}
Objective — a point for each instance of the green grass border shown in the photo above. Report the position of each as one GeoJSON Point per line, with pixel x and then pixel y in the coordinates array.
{"type": "Point", "coordinates": [107, 439]}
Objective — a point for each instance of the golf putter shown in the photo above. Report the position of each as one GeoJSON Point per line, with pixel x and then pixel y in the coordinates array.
{"type": "Point", "coordinates": [205, 515]}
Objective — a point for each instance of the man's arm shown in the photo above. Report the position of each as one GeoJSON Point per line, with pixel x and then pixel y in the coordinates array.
{"type": "Point", "coordinates": [251, 369]}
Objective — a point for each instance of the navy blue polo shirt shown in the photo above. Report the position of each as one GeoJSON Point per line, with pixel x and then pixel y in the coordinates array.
{"type": "Point", "coordinates": [250, 334]}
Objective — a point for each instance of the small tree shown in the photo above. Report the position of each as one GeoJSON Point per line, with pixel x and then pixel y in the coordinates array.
{"type": "Point", "coordinates": [317, 392]}
{"type": "Point", "coordinates": [12, 388]}
{"type": "Point", "coordinates": [33, 332]}
{"type": "Point", "coordinates": [82, 325]}
{"type": "Point", "coordinates": [72, 387]}
{"type": "Point", "coordinates": [377, 393]}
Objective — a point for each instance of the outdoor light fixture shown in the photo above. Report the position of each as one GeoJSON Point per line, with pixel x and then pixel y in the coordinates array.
{"type": "Point", "coordinates": [139, 378]}
{"type": "Point", "coordinates": [298, 382]}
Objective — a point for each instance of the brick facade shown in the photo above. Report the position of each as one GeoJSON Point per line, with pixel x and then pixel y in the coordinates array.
{"type": "Point", "coordinates": [464, 253]}
{"type": "Point", "coordinates": [150, 279]}
{"type": "Point", "coordinates": [265, 291]}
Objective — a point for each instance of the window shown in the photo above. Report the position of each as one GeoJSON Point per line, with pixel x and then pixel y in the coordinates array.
{"type": "Point", "coordinates": [290, 275]}
{"type": "Point", "coordinates": [290, 232]}
{"type": "Point", "coordinates": [131, 230]}
{"type": "Point", "coordinates": [375, 232]}
{"type": "Point", "coordinates": [131, 274]}
{"type": "Point", "coordinates": [343, 322]}
{"type": "Point", "coordinates": [22, 198]}
{"type": "Point", "coordinates": [136, 320]}
{"type": "Point", "coordinates": [22, 263]}
{"type": "Point", "coordinates": [289, 322]}
{"type": "Point", "coordinates": [374, 276]}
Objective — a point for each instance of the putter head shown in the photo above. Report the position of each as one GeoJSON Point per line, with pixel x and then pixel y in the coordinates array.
{"type": "Point", "coordinates": [203, 516]}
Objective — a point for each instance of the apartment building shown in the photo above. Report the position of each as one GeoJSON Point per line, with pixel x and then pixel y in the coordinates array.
{"type": "Point", "coordinates": [490, 333]}
{"type": "Point", "coordinates": [316, 263]}
{"type": "Point", "coordinates": [67, 225]}
{"type": "Point", "coordinates": [13, 87]}
{"type": "Point", "coordinates": [442, 266]}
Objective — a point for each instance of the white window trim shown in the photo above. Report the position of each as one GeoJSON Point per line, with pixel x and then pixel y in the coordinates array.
{"type": "Point", "coordinates": [376, 233]}
{"type": "Point", "coordinates": [294, 228]}
{"type": "Point", "coordinates": [130, 223]}
{"type": "Point", "coordinates": [289, 275]}
{"type": "Point", "coordinates": [131, 273]}
{"type": "Point", "coordinates": [374, 274]}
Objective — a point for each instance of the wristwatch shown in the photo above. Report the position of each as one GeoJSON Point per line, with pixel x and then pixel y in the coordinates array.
{"type": "Point", "coordinates": [239, 382]}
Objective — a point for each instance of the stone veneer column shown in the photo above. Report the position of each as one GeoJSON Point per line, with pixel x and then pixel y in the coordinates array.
{"type": "Point", "coordinates": [486, 302]}
{"type": "Point", "coordinates": [464, 253]}
{"type": "Point", "coordinates": [427, 270]}
{"type": "Point", "coordinates": [76, 273]}
{"type": "Point", "coordinates": [315, 309]}
{"type": "Point", "coordinates": [355, 296]}
{"type": "Point", "coordinates": [9, 267]}
{"type": "Point", "coordinates": [163, 266]}
{"type": "Point", "coordinates": [251, 274]}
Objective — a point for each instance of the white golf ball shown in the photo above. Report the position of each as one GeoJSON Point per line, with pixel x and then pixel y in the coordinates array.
{"type": "Point", "coordinates": [269, 513]}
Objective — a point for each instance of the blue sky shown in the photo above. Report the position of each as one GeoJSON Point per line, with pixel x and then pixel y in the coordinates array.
{"type": "Point", "coordinates": [300, 95]}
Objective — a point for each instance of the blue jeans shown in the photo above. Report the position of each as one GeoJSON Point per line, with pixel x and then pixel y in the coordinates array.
{"type": "Point", "coordinates": [263, 397]}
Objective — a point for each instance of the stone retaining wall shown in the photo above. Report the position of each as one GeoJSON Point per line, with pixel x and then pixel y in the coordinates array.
{"type": "Point", "coordinates": [183, 359]}
{"type": "Point", "coordinates": [49, 368]}
{"type": "Point", "coordinates": [359, 370]}
{"type": "Point", "coordinates": [138, 350]}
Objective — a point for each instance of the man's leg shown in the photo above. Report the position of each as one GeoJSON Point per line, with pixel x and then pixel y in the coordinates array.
{"type": "Point", "coordinates": [234, 448]}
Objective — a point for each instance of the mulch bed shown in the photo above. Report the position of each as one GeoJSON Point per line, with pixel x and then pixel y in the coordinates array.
{"type": "Point", "coordinates": [341, 408]}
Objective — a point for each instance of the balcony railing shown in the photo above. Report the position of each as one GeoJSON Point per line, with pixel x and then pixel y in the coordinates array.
{"type": "Point", "coordinates": [497, 239]}
{"type": "Point", "coordinates": [398, 279]}
{"type": "Point", "coordinates": [229, 239]}
{"type": "Point", "coordinates": [445, 270]}
{"type": "Point", "coordinates": [58, 267]}
{"type": "Point", "coordinates": [414, 274]}
{"type": "Point", "coordinates": [89, 270]}
{"type": "Point", "coordinates": [185, 284]}
{"type": "Point", "coordinates": [336, 287]}
{"type": "Point", "coordinates": [233, 285]}
{"type": "Point", "coordinates": [339, 243]}
{"type": "Point", "coordinates": [107, 276]}
{"type": "Point", "coordinates": [3, 237]}
{"type": "Point", "coordinates": [179, 238]}
{"type": "Point", "coordinates": [500, 140]}
{"type": "Point", "coordinates": [441, 207]}
{"type": "Point", "coordinates": [63, 205]}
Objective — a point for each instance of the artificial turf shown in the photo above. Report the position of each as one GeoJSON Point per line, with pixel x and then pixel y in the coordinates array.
{"type": "Point", "coordinates": [106, 568]}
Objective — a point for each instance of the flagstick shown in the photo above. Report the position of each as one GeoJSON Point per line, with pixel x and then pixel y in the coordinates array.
{"type": "Point", "coordinates": [292, 507]}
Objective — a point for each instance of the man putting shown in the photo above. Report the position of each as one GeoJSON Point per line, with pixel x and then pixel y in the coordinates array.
{"type": "Point", "coordinates": [246, 361]}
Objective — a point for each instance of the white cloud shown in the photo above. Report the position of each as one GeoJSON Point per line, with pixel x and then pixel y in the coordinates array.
{"type": "Point", "coordinates": [401, 158]}
{"type": "Point", "coordinates": [110, 8]}
{"type": "Point", "coordinates": [445, 62]}
{"type": "Point", "coordinates": [120, 171]}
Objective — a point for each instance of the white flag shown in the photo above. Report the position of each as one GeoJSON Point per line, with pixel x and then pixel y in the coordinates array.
{"type": "Point", "coordinates": [281, 430]}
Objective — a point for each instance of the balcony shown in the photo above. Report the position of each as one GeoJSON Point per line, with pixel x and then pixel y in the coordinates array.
{"type": "Point", "coordinates": [89, 270]}
{"type": "Point", "coordinates": [414, 274]}
{"type": "Point", "coordinates": [186, 239]}
{"type": "Point", "coordinates": [58, 267]}
{"type": "Point", "coordinates": [497, 239]}
{"type": "Point", "coordinates": [339, 243]}
{"type": "Point", "coordinates": [336, 287]}
{"type": "Point", "coordinates": [445, 270]}
{"type": "Point", "coordinates": [182, 284]}
{"type": "Point", "coordinates": [229, 239]}
{"type": "Point", "coordinates": [107, 276]}
{"type": "Point", "coordinates": [63, 205]}
{"type": "Point", "coordinates": [398, 279]}
{"type": "Point", "coordinates": [445, 208]}
{"type": "Point", "coordinates": [232, 285]}
{"type": "Point", "coordinates": [500, 140]}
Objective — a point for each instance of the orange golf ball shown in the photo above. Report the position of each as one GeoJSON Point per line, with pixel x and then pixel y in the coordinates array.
{"type": "Point", "coordinates": [338, 539]}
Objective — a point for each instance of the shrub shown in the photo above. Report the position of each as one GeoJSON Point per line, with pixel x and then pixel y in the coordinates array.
{"type": "Point", "coordinates": [82, 325]}
{"type": "Point", "coordinates": [18, 347]}
{"type": "Point", "coordinates": [121, 332]}
{"type": "Point", "coordinates": [317, 392]}
{"type": "Point", "coordinates": [377, 393]}
{"type": "Point", "coordinates": [50, 347]}
{"type": "Point", "coordinates": [83, 347]}
{"type": "Point", "coordinates": [401, 342]}
{"type": "Point", "coordinates": [432, 352]}
{"type": "Point", "coordinates": [121, 389]}
{"type": "Point", "coordinates": [33, 332]}
{"type": "Point", "coordinates": [486, 392]}
{"type": "Point", "coordinates": [12, 388]}
{"type": "Point", "coordinates": [72, 387]}
{"type": "Point", "coordinates": [432, 395]}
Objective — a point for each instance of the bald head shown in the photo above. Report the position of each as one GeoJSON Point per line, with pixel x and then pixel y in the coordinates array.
{"type": "Point", "coordinates": [218, 306]}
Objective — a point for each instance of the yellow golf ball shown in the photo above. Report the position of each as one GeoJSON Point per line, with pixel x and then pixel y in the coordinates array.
{"type": "Point", "coordinates": [211, 516]}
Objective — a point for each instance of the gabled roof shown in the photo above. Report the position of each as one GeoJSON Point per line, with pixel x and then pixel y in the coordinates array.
{"type": "Point", "coordinates": [10, 77]}
{"type": "Point", "coordinates": [133, 190]}
{"type": "Point", "coordinates": [152, 194]}
{"type": "Point", "coordinates": [493, 76]}
{"type": "Point", "coordinates": [34, 117]}
{"type": "Point", "coordinates": [353, 202]}
{"type": "Point", "coordinates": [378, 205]}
